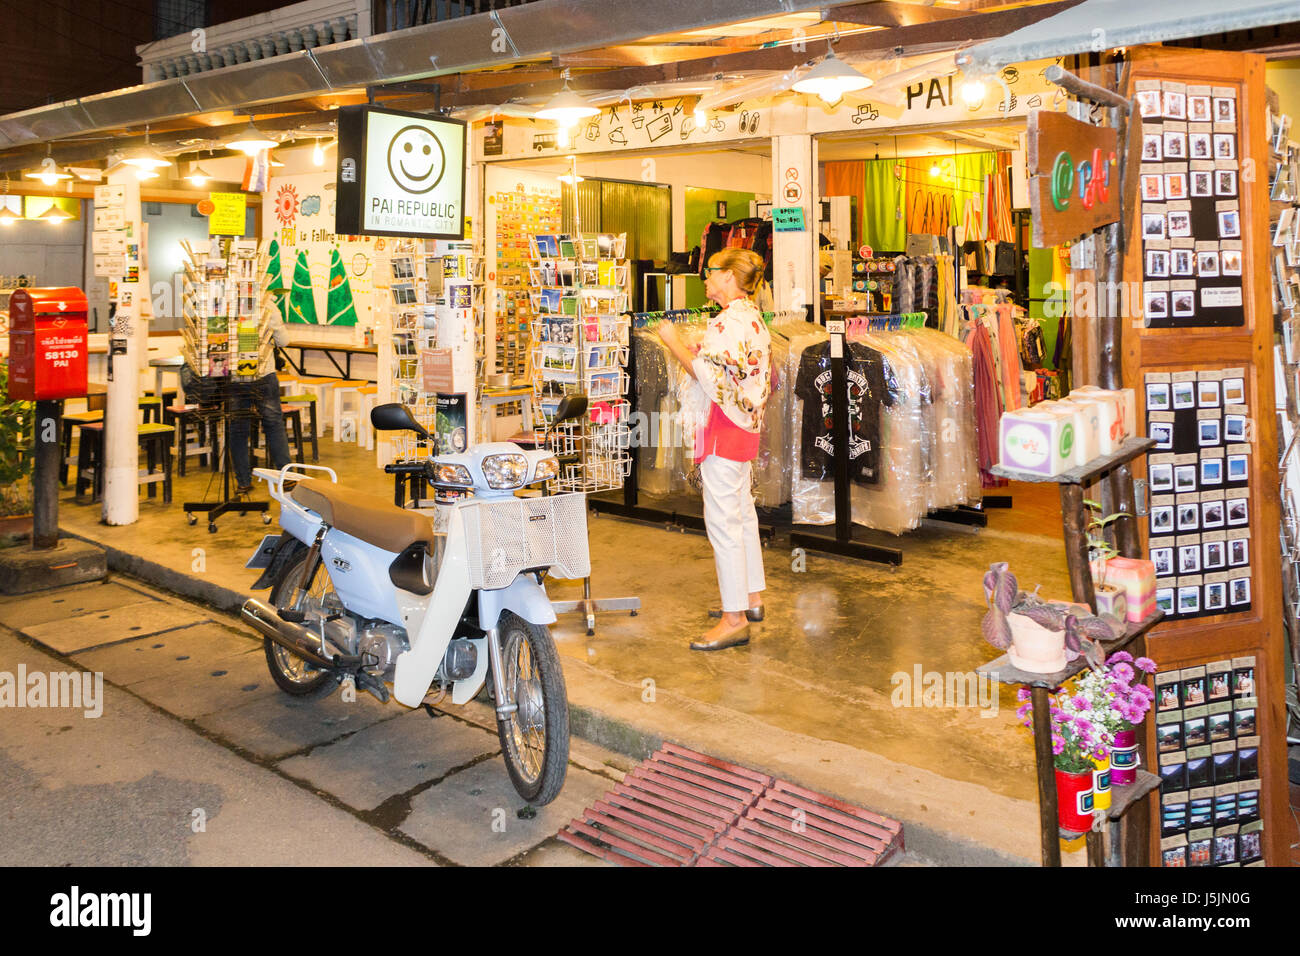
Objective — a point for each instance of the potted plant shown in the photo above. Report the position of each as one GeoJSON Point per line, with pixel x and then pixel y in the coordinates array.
{"type": "Point", "coordinates": [1130, 699]}
{"type": "Point", "coordinates": [16, 464]}
{"type": "Point", "coordinates": [1110, 599]}
{"type": "Point", "coordinates": [1079, 741]}
{"type": "Point", "coordinates": [1040, 636]}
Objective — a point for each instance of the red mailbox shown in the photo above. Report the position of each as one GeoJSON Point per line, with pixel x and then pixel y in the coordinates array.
{"type": "Point", "coordinates": [47, 344]}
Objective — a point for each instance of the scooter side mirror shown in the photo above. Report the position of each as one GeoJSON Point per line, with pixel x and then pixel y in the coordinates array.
{"type": "Point", "coordinates": [396, 417]}
{"type": "Point", "coordinates": [571, 407]}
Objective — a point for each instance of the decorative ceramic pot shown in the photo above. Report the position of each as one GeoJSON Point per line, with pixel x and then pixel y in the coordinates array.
{"type": "Point", "coordinates": [1101, 780]}
{"type": "Point", "coordinates": [1112, 600]}
{"type": "Point", "coordinates": [1124, 758]}
{"type": "Point", "coordinates": [1034, 648]}
{"type": "Point", "coordinates": [1074, 797]}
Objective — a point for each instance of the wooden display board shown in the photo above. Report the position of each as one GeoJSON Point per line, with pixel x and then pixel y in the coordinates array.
{"type": "Point", "coordinates": [1257, 631]}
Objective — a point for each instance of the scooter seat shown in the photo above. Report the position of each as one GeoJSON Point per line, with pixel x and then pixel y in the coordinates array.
{"type": "Point", "coordinates": [370, 518]}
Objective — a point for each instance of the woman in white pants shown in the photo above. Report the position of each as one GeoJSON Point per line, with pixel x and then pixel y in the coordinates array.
{"type": "Point", "coordinates": [733, 367]}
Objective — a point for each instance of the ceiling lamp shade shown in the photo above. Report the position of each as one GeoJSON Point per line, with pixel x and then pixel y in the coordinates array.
{"type": "Point", "coordinates": [571, 179]}
{"type": "Point", "coordinates": [251, 142]}
{"type": "Point", "coordinates": [566, 108]}
{"type": "Point", "coordinates": [199, 176]}
{"type": "Point", "coordinates": [54, 214]}
{"type": "Point", "coordinates": [11, 207]}
{"type": "Point", "coordinates": [146, 157]}
{"type": "Point", "coordinates": [49, 172]}
{"type": "Point", "coordinates": [831, 79]}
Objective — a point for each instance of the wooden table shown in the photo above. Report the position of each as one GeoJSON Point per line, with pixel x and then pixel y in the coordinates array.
{"type": "Point", "coordinates": [347, 351]}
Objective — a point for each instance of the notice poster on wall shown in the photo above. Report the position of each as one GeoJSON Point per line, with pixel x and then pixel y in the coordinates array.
{"type": "Point", "coordinates": [451, 433]}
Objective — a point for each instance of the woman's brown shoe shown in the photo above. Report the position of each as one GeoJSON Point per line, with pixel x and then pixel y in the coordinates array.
{"type": "Point", "coordinates": [754, 614]}
{"type": "Point", "coordinates": [735, 637]}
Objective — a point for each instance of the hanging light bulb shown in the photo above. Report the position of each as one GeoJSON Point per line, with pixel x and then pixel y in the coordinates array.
{"type": "Point", "coordinates": [701, 117]}
{"type": "Point", "coordinates": [146, 157]}
{"type": "Point", "coordinates": [251, 142]}
{"type": "Point", "coordinates": [935, 171]}
{"type": "Point", "coordinates": [318, 155]}
{"type": "Point", "coordinates": [199, 176]}
{"type": "Point", "coordinates": [566, 107]}
{"type": "Point", "coordinates": [831, 79]}
{"type": "Point", "coordinates": [571, 179]}
{"type": "Point", "coordinates": [973, 92]}
{"type": "Point", "coordinates": [49, 172]}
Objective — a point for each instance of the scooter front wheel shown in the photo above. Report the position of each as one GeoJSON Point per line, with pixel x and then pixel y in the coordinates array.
{"type": "Point", "coordinates": [535, 735]}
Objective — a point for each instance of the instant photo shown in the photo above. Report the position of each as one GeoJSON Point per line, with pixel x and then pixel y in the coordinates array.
{"type": "Point", "coordinates": [1220, 726]}
{"type": "Point", "coordinates": [1153, 225]}
{"type": "Point", "coordinates": [1163, 559]}
{"type": "Point", "coordinates": [1216, 598]}
{"type": "Point", "coordinates": [1153, 187]}
{"type": "Point", "coordinates": [1207, 265]}
{"type": "Point", "coordinates": [1165, 600]}
{"type": "Point", "coordinates": [1207, 394]}
{"type": "Point", "coordinates": [1230, 224]}
{"type": "Point", "coordinates": [1158, 392]}
{"type": "Point", "coordinates": [1184, 394]}
{"type": "Point", "coordinates": [1243, 722]}
{"type": "Point", "coordinates": [1202, 183]}
{"type": "Point", "coordinates": [1212, 514]}
{"type": "Point", "coordinates": [1162, 519]}
{"type": "Point", "coordinates": [1234, 391]}
{"type": "Point", "coordinates": [1184, 478]}
{"type": "Point", "coordinates": [1211, 471]}
{"type": "Point", "coordinates": [1189, 600]}
{"type": "Point", "coordinates": [1234, 428]}
{"type": "Point", "coordinates": [1169, 737]}
{"type": "Point", "coordinates": [1195, 733]}
{"type": "Point", "coordinates": [1225, 109]}
{"type": "Point", "coordinates": [1163, 433]}
{"type": "Point", "coordinates": [1157, 263]}
{"type": "Point", "coordinates": [1208, 432]}
{"type": "Point", "coordinates": [1238, 512]}
{"type": "Point", "coordinates": [1238, 467]}
{"type": "Point", "coordinates": [1189, 519]}
{"type": "Point", "coordinates": [1180, 225]}
{"type": "Point", "coordinates": [1189, 558]}
{"type": "Point", "coordinates": [1183, 304]}
{"type": "Point", "coordinates": [1162, 477]}
{"type": "Point", "coordinates": [1225, 146]}
{"type": "Point", "coordinates": [1199, 772]}
{"type": "Point", "coordinates": [1238, 553]}
{"type": "Point", "coordinates": [1213, 557]}
{"type": "Point", "coordinates": [1230, 262]}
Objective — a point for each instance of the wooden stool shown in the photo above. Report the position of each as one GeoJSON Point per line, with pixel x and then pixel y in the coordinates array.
{"type": "Point", "coordinates": [347, 391]}
{"type": "Point", "coordinates": [181, 418]}
{"type": "Point", "coordinates": [154, 437]}
{"type": "Point", "coordinates": [366, 431]}
{"type": "Point", "coordinates": [152, 408]}
{"type": "Point", "coordinates": [310, 402]}
{"type": "Point", "coordinates": [72, 420]}
{"type": "Point", "coordinates": [293, 416]}
{"type": "Point", "coordinates": [321, 388]}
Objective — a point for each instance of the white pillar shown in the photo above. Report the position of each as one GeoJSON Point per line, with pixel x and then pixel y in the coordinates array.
{"type": "Point", "coordinates": [121, 412]}
{"type": "Point", "coordinates": [795, 280]}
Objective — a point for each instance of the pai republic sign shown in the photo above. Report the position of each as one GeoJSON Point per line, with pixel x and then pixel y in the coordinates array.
{"type": "Point", "coordinates": [400, 174]}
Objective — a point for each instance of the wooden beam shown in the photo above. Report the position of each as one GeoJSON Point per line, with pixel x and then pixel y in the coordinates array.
{"type": "Point", "coordinates": [886, 14]}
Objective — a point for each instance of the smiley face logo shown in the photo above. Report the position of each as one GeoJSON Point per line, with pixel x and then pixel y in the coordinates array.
{"type": "Point", "coordinates": [415, 159]}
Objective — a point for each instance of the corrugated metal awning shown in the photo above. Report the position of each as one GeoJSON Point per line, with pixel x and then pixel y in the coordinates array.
{"type": "Point", "coordinates": [1097, 25]}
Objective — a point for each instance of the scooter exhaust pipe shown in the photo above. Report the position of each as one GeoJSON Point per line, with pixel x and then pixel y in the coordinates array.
{"type": "Point", "coordinates": [290, 636]}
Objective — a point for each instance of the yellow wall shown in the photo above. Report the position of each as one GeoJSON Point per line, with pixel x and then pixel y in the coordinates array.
{"type": "Point", "coordinates": [1284, 77]}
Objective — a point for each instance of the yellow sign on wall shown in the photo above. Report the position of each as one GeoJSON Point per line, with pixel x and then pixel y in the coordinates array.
{"type": "Point", "coordinates": [228, 214]}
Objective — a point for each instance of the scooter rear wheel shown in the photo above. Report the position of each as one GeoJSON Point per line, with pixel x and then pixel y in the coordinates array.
{"type": "Point", "coordinates": [291, 673]}
{"type": "Point", "coordinates": [535, 737]}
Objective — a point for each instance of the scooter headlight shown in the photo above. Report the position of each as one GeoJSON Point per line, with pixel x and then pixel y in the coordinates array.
{"type": "Point", "coordinates": [547, 469]}
{"type": "Point", "coordinates": [452, 475]}
{"type": "Point", "coordinates": [505, 471]}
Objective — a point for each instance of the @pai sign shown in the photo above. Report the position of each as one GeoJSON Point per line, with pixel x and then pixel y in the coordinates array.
{"type": "Point", "coordinates": [1073, 177]}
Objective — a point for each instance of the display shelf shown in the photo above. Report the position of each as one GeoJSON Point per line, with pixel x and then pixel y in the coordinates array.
{"type": "Point", "coordinates": [1087, 472]}
{"type": "Point", "coordinates": [1002, 670]}
{"type": "Point", "coordinates": [1125, 795]}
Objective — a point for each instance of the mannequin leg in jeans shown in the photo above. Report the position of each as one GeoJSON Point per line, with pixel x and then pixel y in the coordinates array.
{"type": "Point", "coordinates": [266, 399]}
{"type": "Point", "coordinates": [732, 525]}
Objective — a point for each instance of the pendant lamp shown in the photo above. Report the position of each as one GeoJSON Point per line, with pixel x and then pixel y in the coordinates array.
{"type": "Point", "coordinates": [831, 79]}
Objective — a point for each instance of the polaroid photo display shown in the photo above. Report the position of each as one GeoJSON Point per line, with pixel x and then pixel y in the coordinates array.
{"type": "Point", "coordinates": [1163, 433]}
{"type": "Point", "coordinates": [1162, 519]}
{"type": "Point", "coordinates": [1175, 105]}
{"type": "Point", "coordinates": [1202, 183]}
{"type": "Point", "coordinates": [1161, 477]}
{"type": "Point", "coordinates": [1175, 145]}
{"type": "Point", "coordinates": [1182, 262]}
{"type": "Point", "coordinates": [1225, 145]}
{"type": "Point", "coordinates": [1183, 304]}
{"type": "Point", "coordinates": [1153, 150]}
{"type": "Point", "coordinates": [1165, 600]}
{"type": "Point", "coordinates": [1221, 729]}
{"type": "Point", "coordinates": [1169, 737]}
{"type": "Point", "coordinates": [1180, 224]}
{"type": "Point", "coordinates": [1196, 733]}
{"type": "Point", "coordinates": [1184, 394]}
{"type": "Point", "coordinates": [1216, 597]}
{"type": "Point", "coordinates": [1238, 468]}
{"type": "Point", "coordinates": [1158, 392]}
{"type": "Point", "coordinates": [1212, 514]}
{"type": "Point", "coordinates": [1163, 559]}
{"type": "Point", "coordinates": [1189, 519]}
{"type": "Point", "coordinates": [1238, 512]}
{"type": "Point", "coordinates": [1225, 182]}
{"type": "Point", "coordinates": [1189, 558]}
{"type": "Point", "coordinates": [1243, 722]}
{"type": "Point", "coordinates": [1156, 305]}
{"type": "Point", "coordinates": [1234, 428]}
{"type": "Point", "coordinates": [1230, 224]}
{"type": "Point", "coordinates": [1153, 225]}
{"type": "Point", "coordinates": [1153, 187]}
{"type": "Point", "coordinates": [1200, 145]}
{"type": "Point", "coordinates": [1243, 676]}
{"type": "Point", "coordinates": [1211, 471]}
{"type": "Point", "coordinates": [1184, 478]}
{"type": "Point", "coordinates": [1149, 104]}
{"type": "Point", "coordinates": [1238, 552]}
{"type": "Point", "coordinates": [1207, 393]}
{"type": "Point", "coordinates": [1189, 599]}
{"type": "Point", "coordinates": [1207, 265]}
{"type": "Point", "coordinates": [1175, 185]}
{"type": "Point", "coordinates": [1225, 109]}
{"type": "Point", "coordinates": [1198, 109]}
{"type": "Point", "coordinates": [1239, 592]}
{"type": "Point", "coordinates": [1230, 260]}
{"type": "Point", "coordinates": [1208, 432]}
{"type": "Point", "coordinates": [1157, 263]}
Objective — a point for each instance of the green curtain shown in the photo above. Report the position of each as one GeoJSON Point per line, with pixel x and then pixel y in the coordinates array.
{"type": "Point", "coordinates": [882, 228]}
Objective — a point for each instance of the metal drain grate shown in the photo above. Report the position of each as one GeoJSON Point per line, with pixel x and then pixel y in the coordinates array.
{"type": "Point", "coordinates": [684, 808]}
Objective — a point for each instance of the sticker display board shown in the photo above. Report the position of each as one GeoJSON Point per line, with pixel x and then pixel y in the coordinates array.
{"type": "Point", "coordinates": [1189, 193]}
{"type": "Point", "coordinates": [1201, 363]}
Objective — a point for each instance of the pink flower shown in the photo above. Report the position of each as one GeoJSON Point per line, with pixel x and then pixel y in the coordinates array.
{"type": "Point", "coordinates": [1057, 745]}
{"type": "Point", "coordinates": [1120, 656]}
{"type": "Point", "coordinates": [1083, 725]}
{"type": "Point", "coordinates": [1146, 665]}
{"type": "Point", "coordinates": [1081, 703]}
{"type": "Point", "coordinates": [1124, 671]}
{"type": "Point", "coordinates": [1023, 694]}
{"type": "Point", "coordinates": [1023, 710]}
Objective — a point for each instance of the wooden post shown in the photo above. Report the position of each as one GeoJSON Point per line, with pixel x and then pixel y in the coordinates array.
{"type": "Point", "coordinates": [1049, 816]}
{"type": "Point", "coordinates": [1074, 520]}
{"type": "Point", "coordinates": [47, 430]}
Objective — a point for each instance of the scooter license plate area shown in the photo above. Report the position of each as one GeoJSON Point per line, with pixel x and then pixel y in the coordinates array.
{"type": "Point", "coordinates": [261, 559]}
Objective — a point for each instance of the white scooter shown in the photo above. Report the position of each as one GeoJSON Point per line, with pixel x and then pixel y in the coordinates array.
{"type": "Point", "coordinates": [367, 592]}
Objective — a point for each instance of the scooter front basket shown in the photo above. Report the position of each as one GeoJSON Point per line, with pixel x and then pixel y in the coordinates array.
{"type": "Point", "coordinates": [519, 534]}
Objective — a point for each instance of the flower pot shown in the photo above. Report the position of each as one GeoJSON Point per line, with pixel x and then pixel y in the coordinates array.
{"type": "Point", "coordinates": [1124, 758]}
{"type": "Point", "coordinates": [1111, 600]}
{"type": "Point", "coordinates": [1101, 781]}
{"type": "Point", "coordinates": [1034, 648]}
{"type": "Point", "coordinates": [1074, 797]}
